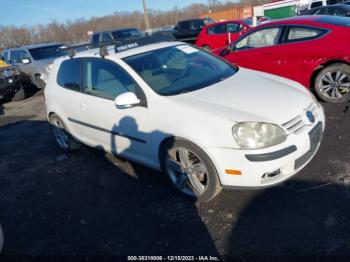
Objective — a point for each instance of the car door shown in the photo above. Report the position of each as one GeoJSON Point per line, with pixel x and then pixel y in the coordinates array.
{"type": "Point", "coordinates": [122, 131]}
{"type": "Point", "coordinates": [258, 50]}
{"type": "Point", "coordinates": [299, 50]}
{"type": "Point", "coordinates": [66, 98]}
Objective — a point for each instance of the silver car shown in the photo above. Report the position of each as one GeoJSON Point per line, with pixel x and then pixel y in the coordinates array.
{"type": "Point", "coordinates": [34, 60]}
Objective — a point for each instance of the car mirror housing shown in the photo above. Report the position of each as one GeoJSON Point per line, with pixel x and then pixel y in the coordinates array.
{"type": "Point", "coordinates": [227, 51]}
{"type": "Point", "coordinates": [26, 61]}
{"type": "Point", "coordinates": [127, 100]}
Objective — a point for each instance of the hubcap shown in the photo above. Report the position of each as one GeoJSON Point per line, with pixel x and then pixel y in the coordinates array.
{"type": "Point", "coordinates": [335, 85]}
{"type": "Point", "coordinates": [60, 134]}
{"type": "Point", "coordinates": [187, 172]}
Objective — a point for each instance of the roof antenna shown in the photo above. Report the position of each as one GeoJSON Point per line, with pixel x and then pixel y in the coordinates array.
{"type": "Point", "coordinates": [71, 53]}
{"type": "Point", "coordinates": [103, 51]}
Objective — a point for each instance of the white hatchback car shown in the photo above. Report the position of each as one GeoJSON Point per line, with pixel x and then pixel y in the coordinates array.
{"type": "Point", "coordinates": [172, 107]}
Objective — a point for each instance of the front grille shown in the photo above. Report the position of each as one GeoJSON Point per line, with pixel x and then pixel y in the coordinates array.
{"type": "Point", "coordinates": [299, 123]}
{"type": "Point", "coordinates": [315, 138]}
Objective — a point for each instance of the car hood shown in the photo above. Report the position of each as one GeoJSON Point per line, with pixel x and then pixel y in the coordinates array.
{"type": "Point", "coordinates": [250, 96]}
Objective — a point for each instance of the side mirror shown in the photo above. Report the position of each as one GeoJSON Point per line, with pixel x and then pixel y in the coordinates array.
{"type": "Point", "coordinates": [227, 50]}
{"type": "Point", "coordinates": [126, 100]}
{"type": "Point", "coordinates": [26, 61]}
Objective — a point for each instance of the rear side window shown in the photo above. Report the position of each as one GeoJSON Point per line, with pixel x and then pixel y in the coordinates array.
{"type": "Point", "coordinates": [96, 39]}
{"type": "Point", "coordinates": [337, 11]}
{"type": "Point", "coordinates": [69, 74]}
{"type": "Point", "coordinates": [303, 33]}
{"type": "Point", "coordinates": [197, 24]}
{"type": "Point", "coordinates": [316, 4]}
{"type": "Point", "coordinates": [333, 2]}
{"type": "Point", "coordinates": [233, 28]}
{"type": "Point", "coordinates": [106, 38]}
{"type": "Point", "coordinates": [218, 29]}
{"type": "Point", "coordinates": [185, 25]}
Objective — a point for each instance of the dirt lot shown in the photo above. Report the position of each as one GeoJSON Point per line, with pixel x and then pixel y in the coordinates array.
{"type": "Point", "coordinates": [90, 203]}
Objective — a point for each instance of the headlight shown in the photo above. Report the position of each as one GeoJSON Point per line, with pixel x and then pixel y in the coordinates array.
{"type": "Point", "coordinates": [255, 135]}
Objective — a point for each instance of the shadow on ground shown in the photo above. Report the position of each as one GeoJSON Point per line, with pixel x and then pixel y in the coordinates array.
{"type": "Point", "coordinates": [82, 204]}
{"type": "Point", "coordinates": [301, 218]}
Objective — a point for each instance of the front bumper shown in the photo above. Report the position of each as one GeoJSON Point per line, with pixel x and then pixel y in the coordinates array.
{"type": "Point", "coordinates": [268, 167]}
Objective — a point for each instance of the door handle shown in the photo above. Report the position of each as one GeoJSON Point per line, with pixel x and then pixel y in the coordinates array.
{"type": "Point", "coordinates": [84, 106]}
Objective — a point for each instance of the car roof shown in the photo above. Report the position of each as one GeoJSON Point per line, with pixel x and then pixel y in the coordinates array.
{"type": "Point", "coordinates": [241, 21]}
{"type": "Point", "coordinates": [40, 45]}
{"type": "Point", "coordinates": [112, 54]}
{"type": "Point", "coordinates": [32, 46]}
{"type": "Point", "coordinates": [194, 19]}
{"type": "Point", "coordinates": [115, 30]}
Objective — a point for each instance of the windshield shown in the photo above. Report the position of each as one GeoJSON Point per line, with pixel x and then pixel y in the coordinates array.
{"type": "Point", "coordinates": [46, 52]}
{"type": "Point", "coordinates": [126, 33]}
{"type": "Point", "coordinates": [179, 69]}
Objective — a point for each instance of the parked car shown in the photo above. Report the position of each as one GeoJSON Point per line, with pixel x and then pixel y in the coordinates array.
{"type": "Point", "coordinates": [34, 61]}
{"type": "Point", "coordinates": [337, 10]}
{"type": "Point", "coordinates": [10, 82]}
{"type": "Point", "coordinates": [188, 30]}
{"type": "Point", "coordinates": [111, 36]}
{"type": "Point", "coordinates": [220, 34]}
{"type": "Point", "coordinates": [312, 50]}
{"type": "Point", "coordinates": [319, 3]}
{"type": "Point", "coordinates": [173, 107]}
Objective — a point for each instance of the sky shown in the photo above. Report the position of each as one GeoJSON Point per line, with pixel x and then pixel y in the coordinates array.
{"type": "Point", "coordinates": [31, 12]}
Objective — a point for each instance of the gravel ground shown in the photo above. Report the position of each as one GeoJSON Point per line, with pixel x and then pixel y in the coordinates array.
{"type": "Point", "coordinates": [90, 203]}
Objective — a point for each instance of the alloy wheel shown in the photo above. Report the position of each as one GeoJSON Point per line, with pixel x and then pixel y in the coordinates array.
{"type": "Point", "coordinates": [60, 134]}
{"type": "Point", "coordinates": [334, 85]}
{"type": "Point", "coordinates": [187, 172]}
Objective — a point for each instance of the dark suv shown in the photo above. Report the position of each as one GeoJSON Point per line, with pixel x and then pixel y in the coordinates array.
{"type": "Point", "coordinates": [10, 83]}
{"type": "Point", "coordinates": [188, 30]}
{"type": "Point", "coordinates": [110, 36]}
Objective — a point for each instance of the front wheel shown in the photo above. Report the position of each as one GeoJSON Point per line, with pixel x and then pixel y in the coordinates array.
{"type": "Point", "coordinates": [190, 170]}
{"type": "Point", "coordinates": [332, 84]}
{"type": "Point", "coordinates": [62, 137]}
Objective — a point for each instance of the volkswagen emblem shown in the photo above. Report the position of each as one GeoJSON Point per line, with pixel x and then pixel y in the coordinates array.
{"type": "Point", "coordinates": [310, 116]}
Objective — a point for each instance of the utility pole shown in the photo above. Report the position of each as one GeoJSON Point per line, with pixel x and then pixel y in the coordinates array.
{"type": "Point", "coordinates": [146, 15]}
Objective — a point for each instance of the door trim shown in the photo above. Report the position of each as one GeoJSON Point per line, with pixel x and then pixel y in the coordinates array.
{"type": "Point", "coordinates": [106, 130]}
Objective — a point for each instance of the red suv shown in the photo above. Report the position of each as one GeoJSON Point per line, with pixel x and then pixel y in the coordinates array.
{"type": "Point", "coordinates": [214, 36]}
{"type": "Point", "coordinates": [312, 50]}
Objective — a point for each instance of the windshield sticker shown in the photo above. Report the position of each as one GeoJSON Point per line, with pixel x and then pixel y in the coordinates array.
{"type": "Point", "coordinates": [187, 49]}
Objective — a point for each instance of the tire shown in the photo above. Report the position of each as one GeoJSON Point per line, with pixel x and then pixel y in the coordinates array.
{"type": "Point", "coordinates": [332, 83]}
{"type": "Point", "coordinates": [200, 186]}
{"type": "Point", "coordinates": [19, 95]}
{"type": "Point", "coordinates": [206, 48]}
{"type": "Point", "coordinates": [65, 140]}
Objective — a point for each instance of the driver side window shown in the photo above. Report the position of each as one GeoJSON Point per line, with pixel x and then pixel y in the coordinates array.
{"type": "Point", "coordinates": [104, 78]}
{"type": "Point", "coordinates": [261, 38]}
